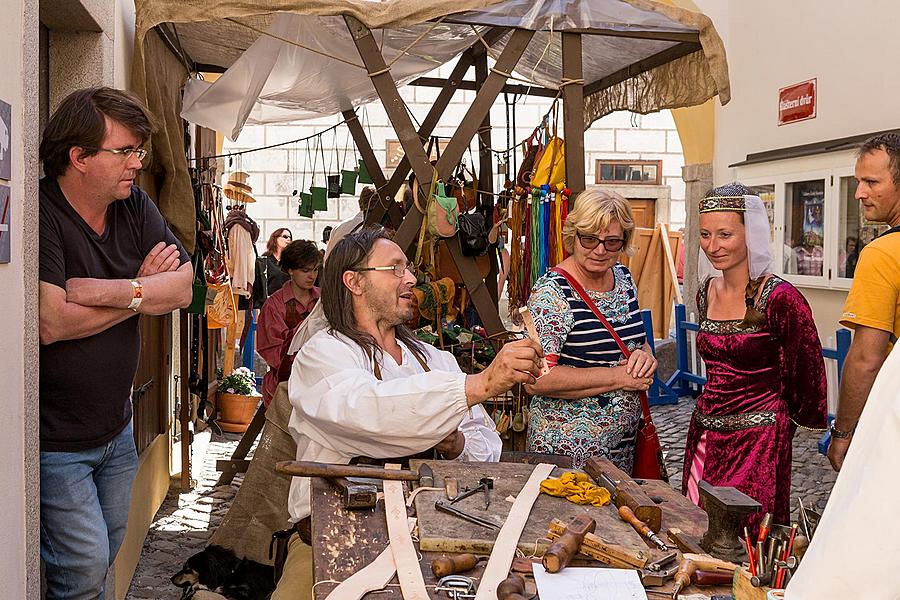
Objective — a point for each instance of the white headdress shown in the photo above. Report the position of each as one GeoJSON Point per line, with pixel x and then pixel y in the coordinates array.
{"type": "Point", "coordinates": [756, 227]}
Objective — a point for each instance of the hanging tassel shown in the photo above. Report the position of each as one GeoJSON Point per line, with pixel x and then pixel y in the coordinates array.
{"type": "Point", "coordinates": [514, 283]}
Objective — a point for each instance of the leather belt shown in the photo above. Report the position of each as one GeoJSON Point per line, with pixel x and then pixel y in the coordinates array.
{"type": "Point", "coordinates": [735, 422]}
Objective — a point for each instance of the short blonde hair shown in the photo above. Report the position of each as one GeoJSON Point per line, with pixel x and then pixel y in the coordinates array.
{"type": "Point", "coordinates": [595, 209]}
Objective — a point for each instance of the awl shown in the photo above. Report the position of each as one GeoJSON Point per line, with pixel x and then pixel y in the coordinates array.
{"type": "Point", "coordinates": [628, 516]}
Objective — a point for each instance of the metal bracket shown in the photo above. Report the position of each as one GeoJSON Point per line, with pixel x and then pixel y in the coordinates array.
{"type": "Point", "coordinates": [457, 587]}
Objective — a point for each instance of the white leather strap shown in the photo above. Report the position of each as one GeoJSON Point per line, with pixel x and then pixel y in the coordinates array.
{"type": "Point", "coordinates": [409, 572]}
{"type": "Point", "coordinates": [505, 547]}
{"type": "Point", "coordinates": [374, 576]}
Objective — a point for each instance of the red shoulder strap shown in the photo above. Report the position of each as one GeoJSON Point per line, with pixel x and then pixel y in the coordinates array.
{"type": "Point", "coordinates": [579, 289]}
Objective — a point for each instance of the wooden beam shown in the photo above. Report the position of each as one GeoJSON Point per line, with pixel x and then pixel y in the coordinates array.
{"type": "Point", "coordinates": [486, 176]}
{"type": "Point", "coordinates": [386, 204]}
{"type": "Point", "coordinates": [573, 111]}
{"type": "Point", "coordinates": [662, 36]}
{"type": "Point", "coordinates": [487, 309]}
{"type": "Point", "coordinates": [642, 66]}
{"type": "Point", "coordinates": [472, 85]}
{"type": "Point", "coordinates": [386, 88]}
{"type": "Point", "coordinates": [470, 122]}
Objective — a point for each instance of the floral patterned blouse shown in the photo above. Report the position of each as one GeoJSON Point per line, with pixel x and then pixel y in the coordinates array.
{"type": "Point", "coordinates": [571, 335]}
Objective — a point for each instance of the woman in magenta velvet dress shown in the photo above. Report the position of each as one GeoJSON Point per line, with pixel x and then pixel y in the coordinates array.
{"type": "Point", "coordinates": [764, 367]}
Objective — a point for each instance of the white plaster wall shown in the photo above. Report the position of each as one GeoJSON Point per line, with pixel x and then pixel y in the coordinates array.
{"type": "Point", "coordinates": [617, 136]}
{"type": "Point", "coordinates": [124, 43]}
{"type": "Point", "coordinates": [17, 73]}
{"type": "Point", "coordinates": [848, 47]}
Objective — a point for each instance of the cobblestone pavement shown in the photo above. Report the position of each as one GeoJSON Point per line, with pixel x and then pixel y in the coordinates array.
{"type": "Point", "coordinates": [185, 521]}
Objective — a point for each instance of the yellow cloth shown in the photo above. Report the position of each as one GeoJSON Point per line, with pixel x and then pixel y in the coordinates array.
{"type": "Point", "coordinates": [874, 298]}
{"type": "Point", "coordinates": [576, 487]}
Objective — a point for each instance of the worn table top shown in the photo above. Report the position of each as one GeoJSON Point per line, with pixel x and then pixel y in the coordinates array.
{"type": "Point", "coordinates": [346, 541]}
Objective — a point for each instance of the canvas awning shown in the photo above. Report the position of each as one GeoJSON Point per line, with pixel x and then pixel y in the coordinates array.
{"type": "Point", "coordinates": [286, 60]}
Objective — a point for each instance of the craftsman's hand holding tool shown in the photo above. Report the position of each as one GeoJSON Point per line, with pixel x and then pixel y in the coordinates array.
{"type": "Point", "coordinates": [517, 362]}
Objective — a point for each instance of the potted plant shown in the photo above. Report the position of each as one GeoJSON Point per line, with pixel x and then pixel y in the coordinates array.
{"type": "Point", "coordinates": [237, 400]}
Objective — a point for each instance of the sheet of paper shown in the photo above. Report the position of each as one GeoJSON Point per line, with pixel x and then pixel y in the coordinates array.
{"type": "Point", "coordinates": [582, 583]}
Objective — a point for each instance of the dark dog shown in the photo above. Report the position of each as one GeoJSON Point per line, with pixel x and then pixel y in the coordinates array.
{"type": "Point", "coordinates": [220, 570]}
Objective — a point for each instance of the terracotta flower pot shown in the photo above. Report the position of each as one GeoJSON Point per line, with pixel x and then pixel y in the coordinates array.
{"type": "Point", "coordinates": [236, 411]}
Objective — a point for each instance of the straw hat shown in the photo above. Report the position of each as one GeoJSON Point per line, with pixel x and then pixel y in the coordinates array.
{"type": "Point", "coordinates": [238, 189]}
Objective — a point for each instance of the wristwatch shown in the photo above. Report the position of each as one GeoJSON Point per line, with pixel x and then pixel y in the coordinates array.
{"type": "Point", "coordinates": [137, 294]}
{"type": "Point", "coordinates": [837, 433]}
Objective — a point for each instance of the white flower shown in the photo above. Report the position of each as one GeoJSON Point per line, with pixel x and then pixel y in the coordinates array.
{"type": "Point", "coordinates": [230, 390]}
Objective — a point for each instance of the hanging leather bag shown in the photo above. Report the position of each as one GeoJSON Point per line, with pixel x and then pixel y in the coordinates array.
{"type": "Point", "coordinates": [648, 457]}
{"type": "Point", "coordinates": [473, 234]}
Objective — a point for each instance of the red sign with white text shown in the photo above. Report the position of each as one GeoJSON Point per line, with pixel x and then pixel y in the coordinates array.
{"type": "Point", "coordinates": [797, 102]}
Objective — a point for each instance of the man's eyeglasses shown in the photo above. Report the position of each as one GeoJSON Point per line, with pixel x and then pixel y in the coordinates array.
{"type": "Point", "coordinates": [399, 270]}
{"type": "Point", "coordinates": [589, 242]}
{"type": "Point", "coordinates": [126, 153]}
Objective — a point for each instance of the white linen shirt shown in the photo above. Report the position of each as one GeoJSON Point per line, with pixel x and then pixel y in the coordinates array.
{"type": "Point", "coordinates": [340, 410]}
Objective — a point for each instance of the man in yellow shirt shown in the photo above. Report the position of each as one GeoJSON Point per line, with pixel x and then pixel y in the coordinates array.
{"type": "Point", "coordinates": [872, 309]}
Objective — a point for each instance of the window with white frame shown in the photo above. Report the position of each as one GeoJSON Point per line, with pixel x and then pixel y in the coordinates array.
{"type": "Point", "coordinates": [818, 227]}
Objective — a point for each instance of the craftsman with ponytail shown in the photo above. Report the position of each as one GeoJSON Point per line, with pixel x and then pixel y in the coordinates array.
{"type": "Point", "coordinates": [764, 366]}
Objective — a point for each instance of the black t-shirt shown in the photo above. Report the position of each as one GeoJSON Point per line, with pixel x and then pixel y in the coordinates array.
{"type": "Point", "coordinates": [85, 384]}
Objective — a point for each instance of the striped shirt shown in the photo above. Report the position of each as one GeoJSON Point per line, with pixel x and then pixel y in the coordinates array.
{"type": "Point", "coordinates": [570, 332]}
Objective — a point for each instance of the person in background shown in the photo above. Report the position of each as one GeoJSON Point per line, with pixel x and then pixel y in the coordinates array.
{"type": "Point", "coordinates": [765, 375]}
{"type": "Point", "coordinates": [589, 404]}
{"type": "Point", "coordinates": [268, 263]}
{"type": "Point", "coordinates": [285, 310]}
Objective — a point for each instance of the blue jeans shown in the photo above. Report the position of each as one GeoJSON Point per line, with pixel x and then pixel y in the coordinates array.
{"type": "Point", "coordinates": [84, 512]}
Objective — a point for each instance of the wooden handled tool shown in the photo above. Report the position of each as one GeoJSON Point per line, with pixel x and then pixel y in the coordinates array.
{"type": "Point", "coordinates": [609, 554]}
{"type": "Point", "coordinates": [711, 578]}
{"type": "Point", "coordinates": [561, 553]}
{"type": "Point", "coordinates": [625, 491]}
{"type": "Point", "coordinates": [684, 542]}
{"type": "Point", "coordinates": [528, 320]}
{"type": "Point", "coordinates": [642, 528]}
{"type": "Point", "coordinates": [452, 565]}
{"type": "Point", "coordinates": [691, 563]}
{"type": "Point", "coordinates": [511, 588]}
{"type": "Point", "coordinates": [302, 468]}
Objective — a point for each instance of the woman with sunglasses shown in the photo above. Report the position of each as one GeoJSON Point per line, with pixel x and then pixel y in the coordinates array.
{"type": "Point", "coordinates": [588, 404]}
{"type": "Point", "coordinates": [269, 261]}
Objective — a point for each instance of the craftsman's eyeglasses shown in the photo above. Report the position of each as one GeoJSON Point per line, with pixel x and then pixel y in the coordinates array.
{"type": "Point", "coordinates": [125, 153]}
{"type": "Point", "coordinates": [589, 242]}
{"type": "Point", "coordinates": [399, 270]}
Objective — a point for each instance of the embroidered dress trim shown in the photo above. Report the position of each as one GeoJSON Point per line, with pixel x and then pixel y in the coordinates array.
{"type": "Point", "coordinates": [731, 327]}
{"type": "Point", "coordinates": [735, 422]}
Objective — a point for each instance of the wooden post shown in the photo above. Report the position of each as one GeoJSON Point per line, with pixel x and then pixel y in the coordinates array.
{"type": "Point", "coordinates": [573, 111]}
{"type": "Point", "coordinates": [486, 176]}
{"type": "Point", "coordinates": [412, 146]}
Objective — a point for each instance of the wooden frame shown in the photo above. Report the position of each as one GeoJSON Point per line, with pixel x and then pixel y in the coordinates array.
{"type": "Point", "coordinates": [637, 162]}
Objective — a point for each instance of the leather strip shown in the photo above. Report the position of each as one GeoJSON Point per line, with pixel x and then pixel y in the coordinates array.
{"type": "Point", "coordinates": [409, 572]}
{"type": "Point", "coordinates": [374, 576]}
{"type": "Point", "coordinates": [508, 539]}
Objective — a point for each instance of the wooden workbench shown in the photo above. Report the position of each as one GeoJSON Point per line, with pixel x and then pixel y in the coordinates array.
{"type": "Point", "coordinates": [346, 541]}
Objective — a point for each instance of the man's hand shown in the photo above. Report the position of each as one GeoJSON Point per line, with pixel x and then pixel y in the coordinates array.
{"type": "Point", "coordinates": [641, 364]}
{"type": "Point", "coordinates": [837, 451]}
{"type": "Point", "coordinates": [160, 259]}
{"type": "Point", "coordinates": [517, 362]}
{"type": "Point", "coordinates": [452, 445]}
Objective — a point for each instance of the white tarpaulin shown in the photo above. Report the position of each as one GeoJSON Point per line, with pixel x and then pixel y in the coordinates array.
{"type": "Point", "coordinates": [308, 66]}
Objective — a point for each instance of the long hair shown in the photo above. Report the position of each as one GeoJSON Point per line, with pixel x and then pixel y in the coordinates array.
{"type": "Point", "coordinates": [752, 316]}
{"type": "Point", "coordinates": [350, 253]}
{"type": "Point", "coordinates": [272, 244]}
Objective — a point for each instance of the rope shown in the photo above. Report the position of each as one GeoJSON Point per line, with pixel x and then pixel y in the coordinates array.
{"type": "Point", "coordinates": [292, 42]}
{"type": "Point", "coordinates": [566, 82]}
{"type": "Point", "coordinates": [278, 145]}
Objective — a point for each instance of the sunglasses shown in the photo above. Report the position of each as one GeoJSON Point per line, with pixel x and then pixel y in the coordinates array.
{"type": "Point", "coordinates": [286, 236]}
{"type": "Point", "coordinates": [611, 244]}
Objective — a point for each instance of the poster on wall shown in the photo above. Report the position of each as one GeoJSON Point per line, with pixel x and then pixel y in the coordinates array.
{"type": "Point", "coordinates": [5, 137]}
{"type": "Point", "coordinates": [4, 224]}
